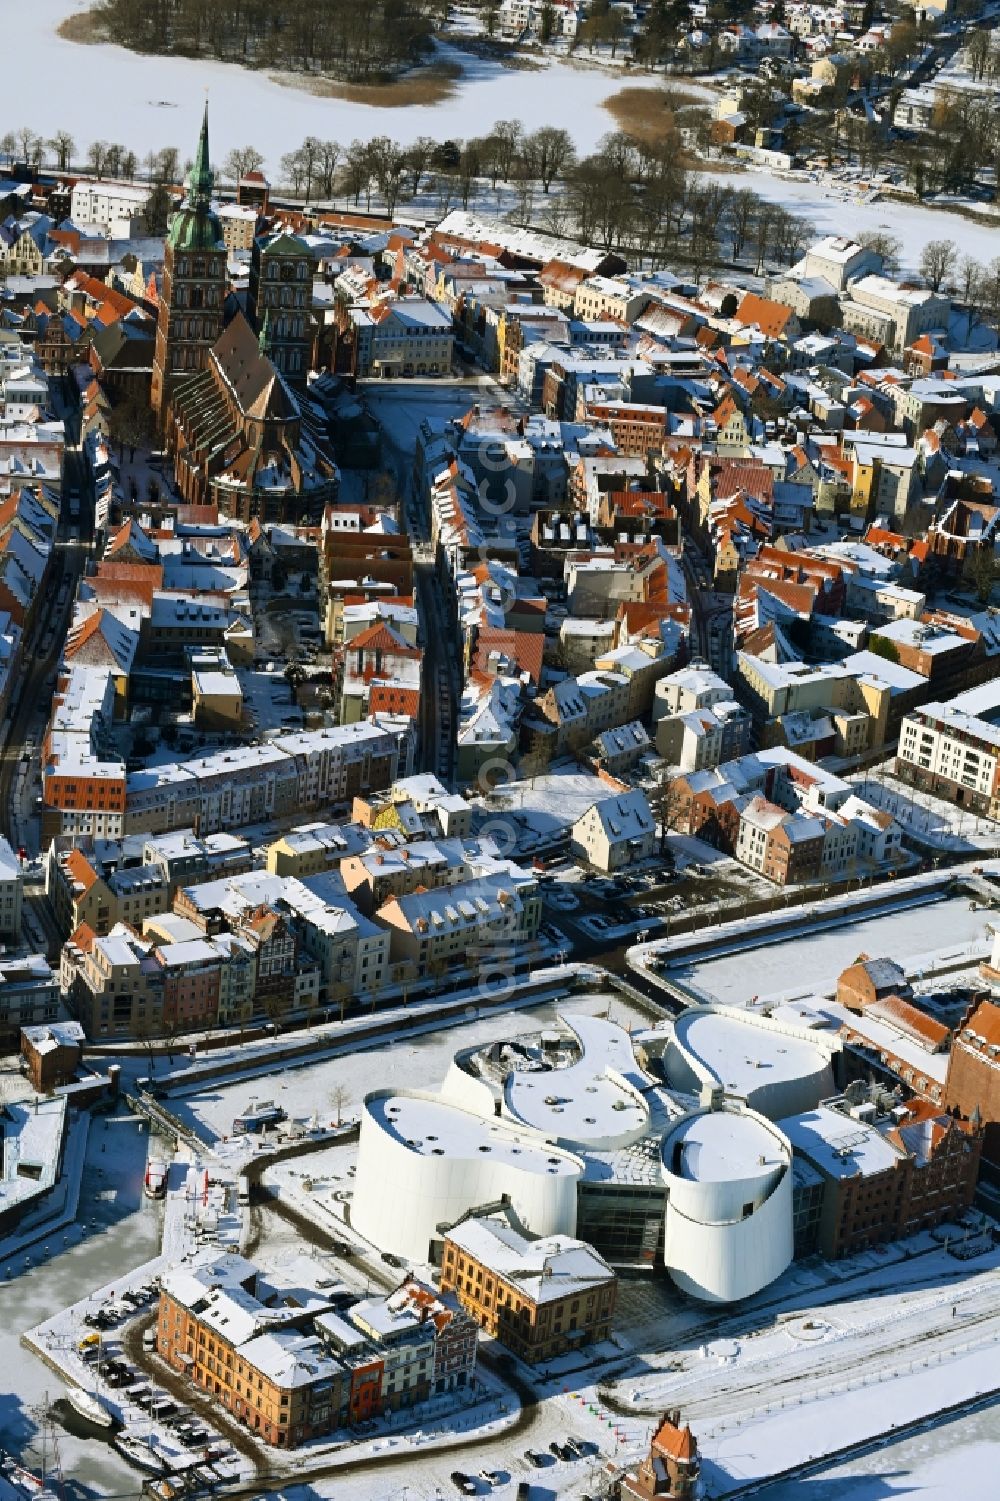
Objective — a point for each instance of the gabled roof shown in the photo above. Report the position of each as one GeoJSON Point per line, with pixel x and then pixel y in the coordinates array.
{"type": "Point", "coordinates": [382, 637]}
{"type": "Point", "coordinates": [255, 383]}
{"type": "Point", "coordinates": [678, 1442]}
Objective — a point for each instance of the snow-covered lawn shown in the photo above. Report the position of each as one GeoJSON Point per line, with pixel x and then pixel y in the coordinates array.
{"type": "Point", "coordinates": [831, 208]}
{"type": "Point", "coordinates": [932, 820]}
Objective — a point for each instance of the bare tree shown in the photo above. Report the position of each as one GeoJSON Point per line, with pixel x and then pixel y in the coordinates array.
{"type": "Point", "coordinates": [444, 192]}
{"type": "Point", "coordinates": [168, 164]}
{"type": "Point", "coordinates": [551, 152]}
{"type": "Point", "coordinates": [27, 144]}
{"type": "Point", "coordinates": [508, 135]}
{"type": "Point", "coordinates": [938, 260]}
{"type": "Point", "coordinates": [326, 166]}
{"type": "Point", "coordinates": [884, 244]}
{"type": "Point", "coordinates": [989, 290]}
{"type": "Point", "coordinates": [978, 54]}
{"type": "Point", "coordinates": [311, 152]}
{"type": "Point", "coordinates": [418, 158]}
{"type": "Point", "coordinates": [524, 201]}
{"type": "Point", "coordinates": [357, 169]}
{"type": "Point", "coordinates": [339, 1097]}
{"type": "Point", "coordinates": [742, 207]}
{"type": "Point", "coordinates": [293, 169]}
{"type": "Point", "coordinates": [388, 163]}
{"type": "Point", "coordinates": [240, 161]}
{"type": "Point", "coordinates": [62, 146]}
{"type": "Point", "coordinates": [969, 286]}
{"type": "Point", "coordinates": [97, 156]}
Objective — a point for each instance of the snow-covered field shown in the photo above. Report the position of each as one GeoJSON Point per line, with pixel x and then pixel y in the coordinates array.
{"type": "Point", "coordinates": [103, 92]}
{"type": "Point", "coordinates": [812, 961]}
{"type": "Point", "coordinates": [833, 210]}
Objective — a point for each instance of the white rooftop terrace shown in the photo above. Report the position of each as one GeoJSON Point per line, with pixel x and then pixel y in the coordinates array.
{"type": "Point", "coordinates": [432, 1128]}
{"type": "Point", "coordinates": [721, 1145]}
{"type": "Point", "coordinates": [596, 1101]}
{"type": "Point", "coordinates": [744, 1056]}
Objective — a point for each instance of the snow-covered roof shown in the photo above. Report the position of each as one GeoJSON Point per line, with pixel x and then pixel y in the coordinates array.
{"type": "Point", "coordinates": [743, 1053]}
{"type": "Point", "coordinates": [431, 1128]}
{"type": "Point", "coordinates": [598, 1098]}
{"type": "Point", "coordinates": [838, 1145]}
{"type": "Point", "coordinates": [717, 1146]}
{"type": "Point", "coordinates": [545, 1270]}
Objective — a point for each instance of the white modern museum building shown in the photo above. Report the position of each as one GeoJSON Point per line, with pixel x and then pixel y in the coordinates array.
{"type": "Point", "coordinates": [656, 1144]}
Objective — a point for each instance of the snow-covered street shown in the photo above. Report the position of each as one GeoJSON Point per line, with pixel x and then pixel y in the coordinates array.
{"type": "Point", "coordinates": [117, 1230]}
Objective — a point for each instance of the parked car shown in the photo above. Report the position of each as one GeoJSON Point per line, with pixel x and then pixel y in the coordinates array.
{"type": "Point", "coordinates": [534, 1459]}
{"type": "Point", "coordinates": [463, 1483]}
{"type": "Point", "coordinates": [524, 1491]}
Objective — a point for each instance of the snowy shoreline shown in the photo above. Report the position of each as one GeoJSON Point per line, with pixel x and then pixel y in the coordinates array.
{"type": "Point", "coordinates": [149, 102]}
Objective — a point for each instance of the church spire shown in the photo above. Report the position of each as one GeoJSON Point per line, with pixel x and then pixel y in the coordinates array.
{"type": "Point", "coordinates": [200, 179]}
{"type": "Point", "coordinates": [264, 341]}
{"type": "Point", "coordinates": [195, 226]}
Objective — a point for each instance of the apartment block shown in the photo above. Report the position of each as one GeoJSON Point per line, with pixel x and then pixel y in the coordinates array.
{"type": "Point", "coordinates": [292, 1358]}
{"type": "Point", "coordinates": [953, 750]}
{"type": "Point", "coordinates": [541, 1298]}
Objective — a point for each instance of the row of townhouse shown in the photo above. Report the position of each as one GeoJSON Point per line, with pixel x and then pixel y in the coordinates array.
{"type": "Point", "coordinates": [385, 334]}
{"type": "Point", "coordinates": [102, 883]}
{"type": "Point", "coordinates": [172, 978]}
{"type": "Point", "coordinates": [84, 793]}
{"type": "Point", "coordinates": [619, 690]}
{"type": "Point", "coordinates": [292, 1358]}
{"type": "Point", "coordinates": [783, 817]}
{"type": "Point", "coordinates": [251, 944]}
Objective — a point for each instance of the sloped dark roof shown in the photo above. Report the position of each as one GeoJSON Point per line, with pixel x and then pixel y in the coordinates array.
{"type": "Point", "coordinates": [254, 381]}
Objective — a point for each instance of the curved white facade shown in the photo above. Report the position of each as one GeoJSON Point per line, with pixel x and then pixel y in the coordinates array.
{"type": "Point", "coordinates": [527, 1121]}
{"type": "Point", "coordinates": [776, 1069]}
{"type": "Point", "coordinates": [729, 1209]}
{"type": "Point", "coordinates": [423, 1163]}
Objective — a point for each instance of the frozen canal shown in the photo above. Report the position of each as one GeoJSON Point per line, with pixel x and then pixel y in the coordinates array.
{"type": "Point", "coordinates": [956, 1459]}
{"type": "Point", "coordinates": [120, 1229]}
{"type": "Point", "coordinates": [813, 961]}
{"type": "Point", "coordinates": [149, 102]}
